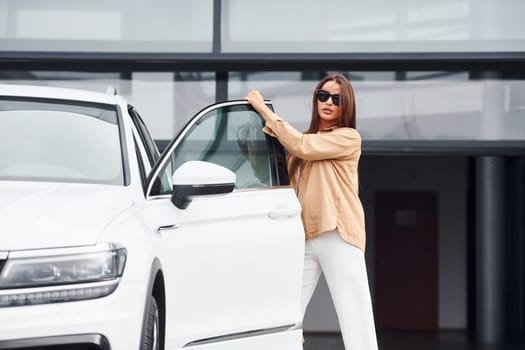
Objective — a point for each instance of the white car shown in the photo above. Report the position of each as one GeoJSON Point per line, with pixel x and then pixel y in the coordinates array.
{"type": "Point", "coordinates": [105, 244]}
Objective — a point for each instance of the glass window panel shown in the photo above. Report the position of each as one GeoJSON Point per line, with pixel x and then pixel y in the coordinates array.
{"type": "Point", "coordinates": [373, 26]}
{"type": "Point", "coordinates": [166, 101]}
{"type": "Point", "coordinates": [423, 106]}
{"type": "Point", "coordinates": [106, 26]}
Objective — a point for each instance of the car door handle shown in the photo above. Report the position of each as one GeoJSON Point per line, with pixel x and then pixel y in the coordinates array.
{"type": "Point", "coordinates": [167, 227]}
{"type": "Point", "coordinates": [283, 214]}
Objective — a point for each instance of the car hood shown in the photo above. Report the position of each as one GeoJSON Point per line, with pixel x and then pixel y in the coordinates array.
{"type": "Point", "coordinates": [45, 215]}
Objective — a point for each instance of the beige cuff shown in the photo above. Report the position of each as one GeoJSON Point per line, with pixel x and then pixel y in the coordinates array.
{"type": "Point", "coordinates": [269, 123]}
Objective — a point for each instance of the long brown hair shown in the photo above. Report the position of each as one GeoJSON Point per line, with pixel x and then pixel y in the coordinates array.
{"type": "Point", "coordinates": [347, 117]}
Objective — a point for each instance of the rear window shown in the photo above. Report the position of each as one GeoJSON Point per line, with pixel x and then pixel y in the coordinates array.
{"type": "Point", "coordinates": [59, 141]}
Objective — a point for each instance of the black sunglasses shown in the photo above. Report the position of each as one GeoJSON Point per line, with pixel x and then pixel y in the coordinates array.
{"type": "Point", "coordinates": [323, 96]}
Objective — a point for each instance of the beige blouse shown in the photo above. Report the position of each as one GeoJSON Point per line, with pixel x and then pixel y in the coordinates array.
{"type": "Point", "coordinates": [327, 187]}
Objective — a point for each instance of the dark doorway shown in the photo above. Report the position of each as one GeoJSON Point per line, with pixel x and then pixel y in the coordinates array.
{"type": "Point", "coordinates": [406, 260]}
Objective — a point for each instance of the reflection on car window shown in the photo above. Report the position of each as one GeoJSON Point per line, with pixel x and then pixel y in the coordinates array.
{"type": "Point", "coordinates": [43, 140]}
{"type": "Point", "coordinates": [232, 137]}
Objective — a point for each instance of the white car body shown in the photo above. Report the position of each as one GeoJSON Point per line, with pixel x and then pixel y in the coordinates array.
{"type": "Point", "coordinates": [225, 272]}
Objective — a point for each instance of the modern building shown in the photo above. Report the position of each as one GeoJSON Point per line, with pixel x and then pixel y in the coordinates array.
{"type": "Point", "coordinates": [440, 89]}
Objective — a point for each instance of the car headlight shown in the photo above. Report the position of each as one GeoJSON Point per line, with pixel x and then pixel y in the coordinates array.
{"type": "Point", "coordinates": [61, 275]}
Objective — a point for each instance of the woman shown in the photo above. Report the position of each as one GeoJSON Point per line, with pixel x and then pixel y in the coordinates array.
{"type": "Point", "coordinates": [322, 165]}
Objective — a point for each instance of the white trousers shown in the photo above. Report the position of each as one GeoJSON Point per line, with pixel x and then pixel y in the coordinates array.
{"type": "Point", "coordinates": [344, 269]}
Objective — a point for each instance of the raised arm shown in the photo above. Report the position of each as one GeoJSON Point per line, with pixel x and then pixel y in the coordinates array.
{"type": "Point", "coordinates": [339, 143]}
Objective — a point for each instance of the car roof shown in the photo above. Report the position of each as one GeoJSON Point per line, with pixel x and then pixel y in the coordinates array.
{"type": "Point", "coordinates": [56, 93]}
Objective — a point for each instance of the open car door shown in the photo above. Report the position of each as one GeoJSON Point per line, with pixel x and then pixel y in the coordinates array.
{"type": "Point", "coordinates": [232, 262]}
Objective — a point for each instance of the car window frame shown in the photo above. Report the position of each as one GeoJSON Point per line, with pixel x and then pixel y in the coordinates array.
{"type": "Point", "coordinates": [277, 159]}
{"type": "Point", "coordinates": [142, 157]}
{"type": "Point", "coordinates": [149, 145]}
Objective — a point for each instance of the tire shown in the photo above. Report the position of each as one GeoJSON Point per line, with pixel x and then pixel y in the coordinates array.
{"type": "Point", "coordinates": [151, 334]}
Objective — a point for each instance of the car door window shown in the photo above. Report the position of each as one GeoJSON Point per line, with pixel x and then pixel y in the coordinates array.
{"type": "Point", "coordinates": [233, 138]}
{"type": "Point", "coordinates": [230, 136]}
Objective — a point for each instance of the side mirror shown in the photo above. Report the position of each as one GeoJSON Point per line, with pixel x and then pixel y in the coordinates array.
{"type": "Point", "coordinates": [197, 178]}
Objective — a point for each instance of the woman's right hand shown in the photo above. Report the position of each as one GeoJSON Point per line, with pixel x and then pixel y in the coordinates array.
{"type": "Point", "coordinates": [255, 98]}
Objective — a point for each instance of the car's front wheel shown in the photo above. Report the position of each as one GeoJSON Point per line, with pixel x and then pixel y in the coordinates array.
{"type": "Point", "coordinates": [150, 335]}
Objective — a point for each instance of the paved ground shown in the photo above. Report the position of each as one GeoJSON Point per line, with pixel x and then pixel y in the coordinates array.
{"type": "Point", "coordinates": [444, 340]}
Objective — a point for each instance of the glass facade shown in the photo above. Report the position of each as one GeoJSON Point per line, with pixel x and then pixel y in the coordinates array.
{"type": "Point", "coordinates": [106, 26]}
{"type": "Point", "coordinates": [401, 106]}
{"type": "Point", "coordinates": [424, 106]}
{"type": "Point", "coordinates": [373, 26]}
{"type": "Point", "coordinates": [343, 26]}
{"type": "Point", "coordinates": [165, 100]}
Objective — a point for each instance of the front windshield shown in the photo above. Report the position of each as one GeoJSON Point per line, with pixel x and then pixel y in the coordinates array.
{"type": "Point", "coordinates": [49, 140]}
